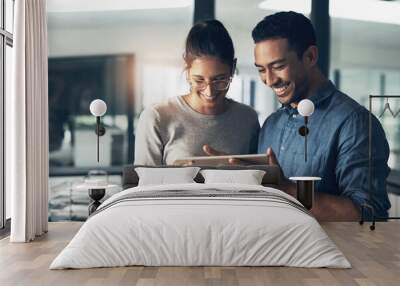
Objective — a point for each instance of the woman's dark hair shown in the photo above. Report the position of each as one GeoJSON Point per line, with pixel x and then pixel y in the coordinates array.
{"type": "Point", "coordinates": [294, 27]}
{"type": "Point", "coordinates": [209, 38]}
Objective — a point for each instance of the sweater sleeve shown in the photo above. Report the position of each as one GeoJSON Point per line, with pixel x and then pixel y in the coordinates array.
{"type": "Point", "coordinates": [149, 147]}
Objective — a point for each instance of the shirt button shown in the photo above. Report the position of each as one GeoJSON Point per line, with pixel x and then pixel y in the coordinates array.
{"type": "Point", "coordinates": [282, 148]}
{"type": "Point", "coordinates": [294, 115]}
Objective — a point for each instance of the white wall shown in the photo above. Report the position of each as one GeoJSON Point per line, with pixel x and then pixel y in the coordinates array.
{"type": "Point", "coordinates": [373, 56]}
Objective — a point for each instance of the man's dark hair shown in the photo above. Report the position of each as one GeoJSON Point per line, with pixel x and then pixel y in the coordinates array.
{"type": "Point", "coordinates": [294, 27]}
{"type": "Point", "coordinates": [209, 38]}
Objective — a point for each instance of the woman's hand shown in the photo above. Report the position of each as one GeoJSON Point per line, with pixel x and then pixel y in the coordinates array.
{"type": "Point", "coordinates": [212, 152]}
{"type": "Point", "coordinates": [183, 163]}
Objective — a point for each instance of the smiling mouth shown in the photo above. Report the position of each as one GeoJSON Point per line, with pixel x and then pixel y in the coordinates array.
{"type": "Point", "coordinates": [209, 97]}
{"type": "Point", "coordinates": [281, 90]}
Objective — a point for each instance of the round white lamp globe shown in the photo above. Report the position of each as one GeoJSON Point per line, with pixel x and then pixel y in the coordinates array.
{"type": "Point", "coordinates": [305, 107]}
{"type": "Point", "coordinates": [98, 107]}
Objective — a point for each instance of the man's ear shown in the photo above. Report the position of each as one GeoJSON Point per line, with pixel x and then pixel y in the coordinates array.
{"type": "Point", "coordinates": [234, 67]}
{"type": "Point", "coordinates": [310, 56]}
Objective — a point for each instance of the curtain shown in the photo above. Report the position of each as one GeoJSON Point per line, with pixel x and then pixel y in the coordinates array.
{"type": "Point", "coordinates": [27, 123]}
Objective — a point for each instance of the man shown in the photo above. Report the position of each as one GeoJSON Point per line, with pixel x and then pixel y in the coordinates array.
{"type": "Point", "coordinates": [286, 57]}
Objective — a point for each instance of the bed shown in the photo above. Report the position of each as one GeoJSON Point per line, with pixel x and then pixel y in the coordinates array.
{"type": "Point", "coordinates": [201, 224]}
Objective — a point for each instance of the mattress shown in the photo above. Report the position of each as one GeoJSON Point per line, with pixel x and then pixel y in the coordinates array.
{"type": "Point", "coordinates": [201, 225]}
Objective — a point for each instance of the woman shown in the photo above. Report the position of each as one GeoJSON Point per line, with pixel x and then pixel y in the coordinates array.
{"type": "Point", "coordinates": [181, 126]}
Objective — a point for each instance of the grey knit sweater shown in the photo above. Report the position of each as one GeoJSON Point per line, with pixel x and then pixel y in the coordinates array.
{"type": "Point", "coordinates": [172, 130]}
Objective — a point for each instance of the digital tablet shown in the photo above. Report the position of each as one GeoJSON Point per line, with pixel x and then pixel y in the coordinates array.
{"type": "Point", "coordinates": [249, 159]}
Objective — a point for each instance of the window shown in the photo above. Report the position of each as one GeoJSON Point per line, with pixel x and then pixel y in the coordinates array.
{"type": "Point", "coordinates": [124, 56]}
{"type": "Point", "coordinates": [6, 43]}
{"type": "Point", "coordinates": [239, 19]}
{"type": "Point", "coordinates": [354, 48]}
{"type": "Point", "coordinates": [359, 83]}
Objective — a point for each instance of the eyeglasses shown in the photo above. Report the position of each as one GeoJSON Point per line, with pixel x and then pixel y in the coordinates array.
{"type": "Point", "coordinates": [219, 84]}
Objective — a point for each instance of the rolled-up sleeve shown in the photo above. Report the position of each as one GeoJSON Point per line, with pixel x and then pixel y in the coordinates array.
{"type": "Point", "coordinates": [352, 170]}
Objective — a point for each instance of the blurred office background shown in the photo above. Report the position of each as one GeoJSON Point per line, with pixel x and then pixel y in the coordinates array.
{"type": "Point", "coordinates": [129, 53]}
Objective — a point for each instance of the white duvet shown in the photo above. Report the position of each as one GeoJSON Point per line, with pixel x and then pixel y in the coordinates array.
{"type": "Point", "coordinates": [207, 230]}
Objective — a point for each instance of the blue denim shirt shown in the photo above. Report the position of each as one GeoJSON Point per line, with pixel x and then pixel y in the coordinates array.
{"type": "Point", "coordinates": [337, 147]}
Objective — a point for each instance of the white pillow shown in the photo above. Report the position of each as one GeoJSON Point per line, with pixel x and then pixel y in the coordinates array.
{"type": "Point", "coordinates": [248, 177]}
{"type": "Point", "coordinates": [165, 176]}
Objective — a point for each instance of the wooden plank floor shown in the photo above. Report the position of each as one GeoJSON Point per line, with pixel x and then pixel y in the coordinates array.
{"type": "Point", "coordinates": [375, 257]}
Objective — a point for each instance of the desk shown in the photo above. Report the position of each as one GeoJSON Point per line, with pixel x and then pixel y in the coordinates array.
{"type": "Point", "coordinates": [374, 255]}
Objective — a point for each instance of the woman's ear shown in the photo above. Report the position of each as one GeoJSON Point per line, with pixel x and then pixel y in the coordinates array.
{"type": "Point", "coordinates": [188, 79]}
{"type": "Point", "coordinates": [310, 56]}
{"type": "Point", "coordinates": [187, 75]}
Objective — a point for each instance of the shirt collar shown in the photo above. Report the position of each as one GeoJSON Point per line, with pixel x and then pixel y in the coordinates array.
{"type": "Point", "coordinates": [324, 92]}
